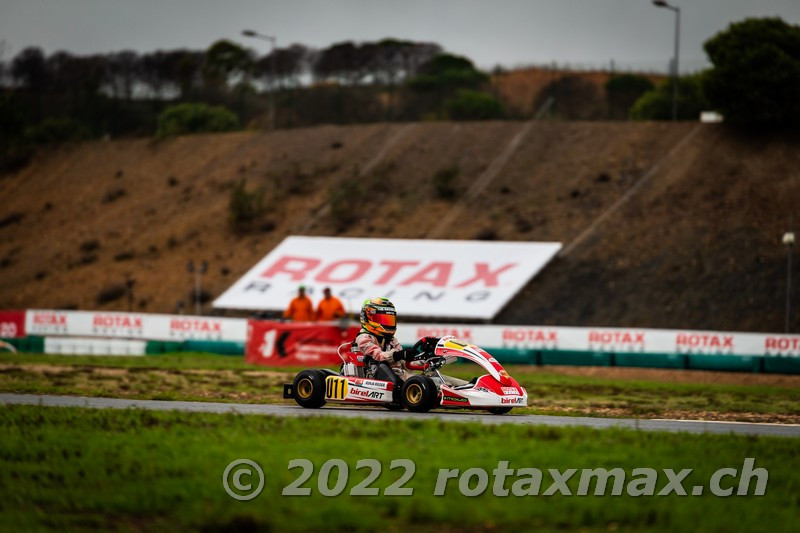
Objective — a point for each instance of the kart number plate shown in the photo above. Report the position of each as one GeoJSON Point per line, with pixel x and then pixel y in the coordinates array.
{"type": "Point", "coordinates": [335, 388]}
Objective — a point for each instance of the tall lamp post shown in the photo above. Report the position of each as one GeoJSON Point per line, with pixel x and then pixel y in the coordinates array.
{"type": "Point", "coordinates": [271, 39]}
{"type": "Point", "coordinates": [198, 271]}
{"type": "Point", "coordinates": [788, 241]}
{"type": "Point", "coordinates": [677, 10]}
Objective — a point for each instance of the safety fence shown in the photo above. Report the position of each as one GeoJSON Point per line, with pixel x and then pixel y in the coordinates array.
{"type": "Point", "coordinates": [270, 343]}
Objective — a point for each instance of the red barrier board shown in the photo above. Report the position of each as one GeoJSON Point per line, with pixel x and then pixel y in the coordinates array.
{"type": "Point", "coordinates": [12, 324]}
{"type": "Point", "coordinates": [295, 344]}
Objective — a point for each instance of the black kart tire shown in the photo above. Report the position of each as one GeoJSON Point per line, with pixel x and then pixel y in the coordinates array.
{"type": "Point", "coordinates": [499, 410]}
{"type": "Point", "coordinates": [309, 389]}
{"type": "Point", "coordinates": [419, 394]}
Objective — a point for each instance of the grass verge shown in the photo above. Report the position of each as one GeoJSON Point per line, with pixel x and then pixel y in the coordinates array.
{"type": "Point", "coordinates": [71, 468]}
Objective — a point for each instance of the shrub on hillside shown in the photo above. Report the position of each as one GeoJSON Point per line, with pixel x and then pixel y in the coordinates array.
{"type": "Point", "coordinates": [444, 183]}
{"type": "Point", "coordinates": [195, 118]}
{"type": "Point", "coordinates": [55, 130]}
{"type": "Point", "coordinates": [244, 206]}
{"type": "Point", "coordinates": [473, 105]}
{"type": "Point", "coordinates": [623, 91]}
{"type": "Point", "coordinates": [657, 104]}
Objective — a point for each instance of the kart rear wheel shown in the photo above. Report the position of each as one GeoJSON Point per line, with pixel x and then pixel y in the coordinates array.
{"type": "Point", "coordinates": [309, 389]}
{"type": "Point", "coordinates": [499, 410]}
{"type": "Point", "coordinates": [419, 394]}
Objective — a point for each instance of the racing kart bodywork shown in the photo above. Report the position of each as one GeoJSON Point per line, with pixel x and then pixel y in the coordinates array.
{"type": "Point", "coordinates": [356, 382]}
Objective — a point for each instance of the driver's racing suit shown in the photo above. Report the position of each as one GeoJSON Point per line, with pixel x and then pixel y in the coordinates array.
{"type": "Point", "coordinates": [382, 350]}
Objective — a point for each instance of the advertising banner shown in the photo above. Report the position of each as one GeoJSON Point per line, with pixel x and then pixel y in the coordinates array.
{"type": "Point", "coordinates": [134, 325]}
{"type": "Point", "coordinates": [426, 278]}
{"type": "Point", "coordinates": [295, 344]}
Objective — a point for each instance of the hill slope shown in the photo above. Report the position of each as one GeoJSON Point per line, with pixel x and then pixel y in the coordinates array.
{"type": "Point", "coordinates": [697, 245]}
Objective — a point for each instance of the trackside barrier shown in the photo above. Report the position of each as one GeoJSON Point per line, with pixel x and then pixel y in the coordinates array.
{"type": "Point", "coordinates": [538, 345]}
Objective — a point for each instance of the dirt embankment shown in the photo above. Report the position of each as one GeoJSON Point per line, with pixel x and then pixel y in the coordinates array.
{"type": "Point", "coordinates": [697, 246]}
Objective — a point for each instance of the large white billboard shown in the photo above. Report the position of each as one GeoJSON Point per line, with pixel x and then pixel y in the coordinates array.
{"type": "Point", "coordinates": [425, 278]}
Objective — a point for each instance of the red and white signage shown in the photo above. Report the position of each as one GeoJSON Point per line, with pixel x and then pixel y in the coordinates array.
{"type": "Point", "coordinates": [295, 344]}
{"type": "Point", "coordinates": [135, 325]}
{"type": "Point", "coordinates": [12, 324]}
{"type": "Point", "coordinates": [469, 279]}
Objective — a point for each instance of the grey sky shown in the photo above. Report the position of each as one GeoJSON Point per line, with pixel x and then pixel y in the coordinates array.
{"type": "Point", "coordinates": [584, 33]}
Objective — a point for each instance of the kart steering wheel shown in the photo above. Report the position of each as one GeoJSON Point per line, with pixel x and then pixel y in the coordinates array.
{"type": "Point", "coordinates": [426, 346]}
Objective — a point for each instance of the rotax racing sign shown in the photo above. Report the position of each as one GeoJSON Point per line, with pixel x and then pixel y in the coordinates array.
{"type": "Point", "coordinates": [426, 278]}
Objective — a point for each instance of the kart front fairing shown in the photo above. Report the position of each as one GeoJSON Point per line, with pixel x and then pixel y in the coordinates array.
{"type": "Point", "coordinates": [495, 389]}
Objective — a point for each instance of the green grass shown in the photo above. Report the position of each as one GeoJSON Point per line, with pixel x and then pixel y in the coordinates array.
{"type": "Point", "coordinates": [79, 469]}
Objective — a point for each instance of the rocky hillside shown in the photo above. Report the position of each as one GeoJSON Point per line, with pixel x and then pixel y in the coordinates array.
{"type": "Point", "coordinates": [664, 225]}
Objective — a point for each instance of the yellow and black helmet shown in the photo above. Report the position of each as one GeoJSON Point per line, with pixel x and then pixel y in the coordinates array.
{"type": "Point", "coordinates": [379, 317]}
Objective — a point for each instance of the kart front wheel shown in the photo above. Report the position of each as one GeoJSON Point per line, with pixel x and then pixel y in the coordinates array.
{"type": "Point", "coordinates": [499, 410]}
{"type": "Point", "coordinates": [309, 389]}
{"type": "Point", "coordinates": [419, 394]}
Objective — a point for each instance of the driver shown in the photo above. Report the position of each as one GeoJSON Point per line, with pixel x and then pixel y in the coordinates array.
{"type": "Point", "coordinates": [376, 339]}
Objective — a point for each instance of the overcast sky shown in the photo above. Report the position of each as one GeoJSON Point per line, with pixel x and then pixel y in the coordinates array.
{"type": "Point", "coordinates": [584, 33]}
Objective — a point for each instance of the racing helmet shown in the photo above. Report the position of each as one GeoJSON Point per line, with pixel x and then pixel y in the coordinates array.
{"type": "Point", "coordinates": [378, 316]}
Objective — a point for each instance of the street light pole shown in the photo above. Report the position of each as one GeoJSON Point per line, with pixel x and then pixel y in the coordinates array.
{"type": "Point", "coordinates": [677, 10]}
{"type": "Point", "coordinates": [271, 39]}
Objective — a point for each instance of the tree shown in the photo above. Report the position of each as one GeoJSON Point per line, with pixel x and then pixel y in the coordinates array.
{"type": "Point", "coordinates": [225, 60]}
{"type": "Point", "coordinates": [283, 66]}
{"type": "Point", "coordinates": [657, 104]}
{"type": "Point", "coordinates": [623, 91]}
{"type": "Point", "coordinates": [122, 70]}
{"type": "Point", "coordinates": [447, 73]}
{"type": "Point", "coordinates": [756, 73]}
{"type": "Point", "coordinates": [344, 62]}
{"type": "Point", "coordinates": [29, 69]}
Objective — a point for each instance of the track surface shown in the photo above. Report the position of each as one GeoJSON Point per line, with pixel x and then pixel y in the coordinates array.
{"type": "Point", "coordinates": [688, 426]}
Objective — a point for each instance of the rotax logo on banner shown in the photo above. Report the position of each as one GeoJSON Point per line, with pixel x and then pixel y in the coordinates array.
{"type": "Point", "coordinates": [469, 279]}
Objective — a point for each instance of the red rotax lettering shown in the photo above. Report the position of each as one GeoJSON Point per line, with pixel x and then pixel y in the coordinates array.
{"type": "Point", "coordinates": [615, 337]}
{"type": "Point", "coordinates": [437, 274]}
{"type": "Point", "coordinates": [783, 344]}
{"type": "Point", "coordinates": [195, 325]}
{"type": "Point", "coordinates": [392, 268]}
{"type": "Point", "coordinates": [530, 335]}
{"type": "Point", "coordinates": [49, 319]}
{"type": "Point", "coordinates": [116, 321]}
{"type": "Point", "coordinates": [295, 267]}
{"type": "Point", "coordinates": [704, 341]}
{"type": "Point", "coordinates": [488, 277]}
{"type": "Point", "coordinates": [353, 270]}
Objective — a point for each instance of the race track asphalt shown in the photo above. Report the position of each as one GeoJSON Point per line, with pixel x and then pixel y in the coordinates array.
{"type": "Point", "coordinates": [688, 426]}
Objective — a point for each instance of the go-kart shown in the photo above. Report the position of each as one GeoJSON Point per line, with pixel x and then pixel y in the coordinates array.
{"type": "Point", "coordinates": [358, 381]}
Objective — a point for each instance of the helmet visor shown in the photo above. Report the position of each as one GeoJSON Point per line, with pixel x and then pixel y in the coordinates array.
{"type": "Point", "coordinates": [384, 319]}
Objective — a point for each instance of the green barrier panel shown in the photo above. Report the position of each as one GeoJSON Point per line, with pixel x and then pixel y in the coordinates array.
{"type": "Point", "coordinates": [217, 347]}
{"type": "Point", "coordinates": [513, 356]}
{"type": "Point", "coordinates": [30, 344]}
{"type": "Point", "coordinates": [552, 357]}
{"type": "Point", "coordinates": [736, 363]}
{"type": "Point", "coordinates": [782, 365]}
{"type": "Point", "coordinates": [159, 347]}
{"type": "Point", "coordinates": [650, 360]}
